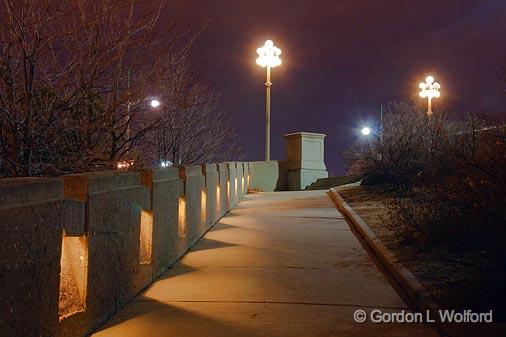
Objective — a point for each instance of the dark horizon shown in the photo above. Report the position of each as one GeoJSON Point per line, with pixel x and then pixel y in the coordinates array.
{"type": "Point", "coordinates": [342, 60]}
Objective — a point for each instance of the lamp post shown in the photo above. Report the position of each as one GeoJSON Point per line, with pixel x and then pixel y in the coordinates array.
{"type": "Point", "coordinates": [381, 124]}
{"type": "Point", "coordinates": [154, 103]}
{"type": "Point", "coordinates": [268, 57]}
{"type": "Point", "coordinates": [429, 90]}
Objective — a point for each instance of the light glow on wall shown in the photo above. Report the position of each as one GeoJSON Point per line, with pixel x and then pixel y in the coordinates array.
{"type": "Point", "coordinates": [203, 206]}
{"type": "Point", "coordinates": [146, 238]}
{"type": "Point", "coordinates": [218, 198]}
{"type": "Point", "coordinates": [235, 187]}
{"type": "Point", "coordinates": [181, 221]}
{"type": "Point", "coordinates": [73, 275]}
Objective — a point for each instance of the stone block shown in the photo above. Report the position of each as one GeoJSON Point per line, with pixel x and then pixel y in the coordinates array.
{"type": "Point", "coordinates": [247, 178]}
{"type": "Point", "coordinates": [211, 175]}
{"type": "Point", "coordinates": [32, 214]}
{"type": "Point", "coordinates": [265, 176]}
{"type": "Point", "coordinates": [17, 191]}
{"type": "Point", "coordinates": [166, 189]}
{"type": "Point", "coordinates": [114, 202]}
{"type": "Point", "coordinates": [222, 203]}
{"type": "Point", "coordinates": [194, 184]}
{"type": "Point", "coordinates": [240, 180]}
{"type": "Point", "coordinates": [232, 184]}
{"type": "Point", "coordinates": [304, 159]}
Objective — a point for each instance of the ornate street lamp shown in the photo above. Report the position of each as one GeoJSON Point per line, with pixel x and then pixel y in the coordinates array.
{"type": "Point", "coordinates": [268, 57]}
{"type": "Point", "coordinates": [429, 90]}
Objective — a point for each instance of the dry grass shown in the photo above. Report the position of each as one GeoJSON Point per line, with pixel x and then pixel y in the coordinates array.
{"type": "Point", "coordinates": [455, 279]}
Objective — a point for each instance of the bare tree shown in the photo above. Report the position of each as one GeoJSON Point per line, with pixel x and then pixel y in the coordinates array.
{"type": "Point", "coordinates": [74, 79]}
{"type": "Point", "coordinates": [29, 107]}
{"type": "Point", "coordinates": [122, 45]}
{"type": "Point", "coordinates": [191, 125]}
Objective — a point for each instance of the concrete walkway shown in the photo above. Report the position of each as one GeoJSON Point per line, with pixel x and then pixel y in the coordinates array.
{"type": "Point", "coordinates": [279, 264]}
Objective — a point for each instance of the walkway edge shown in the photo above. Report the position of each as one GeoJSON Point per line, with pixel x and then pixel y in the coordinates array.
{"type": "Point", "coordinates": [406, 280]}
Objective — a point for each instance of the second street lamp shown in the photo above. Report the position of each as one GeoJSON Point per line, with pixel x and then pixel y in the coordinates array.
{"type": "Point", "coordinates": [429, 90]}
{"type": "Point", "coordinates": [268, 57]}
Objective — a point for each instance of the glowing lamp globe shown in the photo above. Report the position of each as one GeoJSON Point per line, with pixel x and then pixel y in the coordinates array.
{"type": "Point", "coordinates": [429, 89]}
{"type": "Point", "coordinates": [366, 131]}
{"type": "Point", "coordinates": [268, 55]}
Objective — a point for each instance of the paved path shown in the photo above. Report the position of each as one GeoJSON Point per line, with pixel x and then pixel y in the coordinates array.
{"type": "Point", "coordinates": [279, 264]}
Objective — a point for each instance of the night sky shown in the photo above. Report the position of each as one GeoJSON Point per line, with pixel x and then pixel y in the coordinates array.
{"type": "Point", "coordinates": [343, 59]}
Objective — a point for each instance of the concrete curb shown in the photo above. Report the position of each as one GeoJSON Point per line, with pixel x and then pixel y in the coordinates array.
{"type": "Point", "coordinates": [404, 278]}
{"type": "Point", "coordinates": [407, 281]}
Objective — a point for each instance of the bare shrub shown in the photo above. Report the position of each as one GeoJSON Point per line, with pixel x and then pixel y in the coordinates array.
{"type": "Point", "coordinates": [410, 150]}
{"type": "Point", "coordinates": [465, 205]}
{"type": "Point", "coordinates": [478, 180]}
{"type": "Point", "coordinates": [428, 218]}
{"type": "Point", "coordinates": [451, 178]}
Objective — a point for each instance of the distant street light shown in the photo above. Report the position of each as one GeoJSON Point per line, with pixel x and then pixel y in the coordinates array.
{"type": "Point", "coordinates": [366, 131]}
{"type": "Point", "coordinates": [125, 164]}
{"type": "Point", "coordinates": [268, 57]}
{"type": "Point", "coordinates": [429, 90]}
{"type": "Point", "coordinates": [155, 103]}
{"type": "Point", "coordinates": [165, 163]}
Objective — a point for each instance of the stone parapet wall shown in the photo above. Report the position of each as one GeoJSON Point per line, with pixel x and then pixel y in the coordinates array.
{"type": "Point", "coordinates": [266, 176]}
{"type": "Point", "coordinates": [75, 249]}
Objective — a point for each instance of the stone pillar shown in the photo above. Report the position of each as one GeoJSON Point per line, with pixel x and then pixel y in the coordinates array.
{"type": "Point", "coordinates": [304, 159]}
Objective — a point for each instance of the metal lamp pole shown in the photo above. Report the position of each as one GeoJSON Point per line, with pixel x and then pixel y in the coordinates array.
{"type": "Point", "coordinates": [381, 124]}
{"type": "Point", "coordinates": [268, 56]}
{"type": "Point", "coordinates": [268, 115]}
